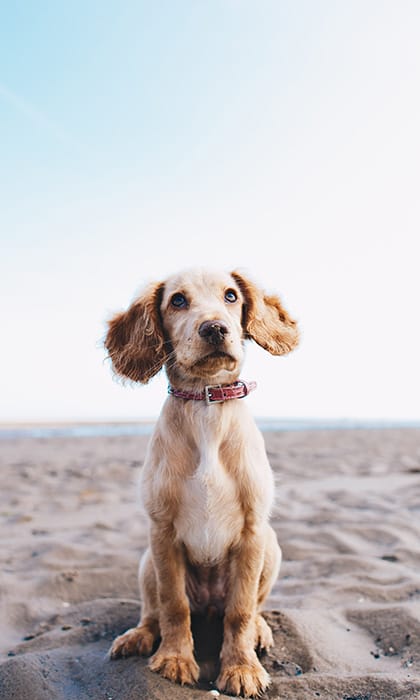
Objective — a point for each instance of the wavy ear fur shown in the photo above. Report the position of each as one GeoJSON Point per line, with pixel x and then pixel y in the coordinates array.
{"type": "Point", "coordinates": [265, 320]}
{"type": "Point", "coordinates": [135, 340]}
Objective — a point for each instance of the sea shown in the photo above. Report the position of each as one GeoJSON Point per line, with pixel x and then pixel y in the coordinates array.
{"type": "Point", "coordinates": [130, 428]}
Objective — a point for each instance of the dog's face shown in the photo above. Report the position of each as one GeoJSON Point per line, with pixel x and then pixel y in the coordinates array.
{"type": "Point", "coordinates": [202, 318]}
{"type": "Point", "coordinates": [195, 323]}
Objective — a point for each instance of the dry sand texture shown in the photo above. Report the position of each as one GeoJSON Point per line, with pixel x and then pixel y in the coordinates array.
{"type": "Point", "coordinates": [345, 611]}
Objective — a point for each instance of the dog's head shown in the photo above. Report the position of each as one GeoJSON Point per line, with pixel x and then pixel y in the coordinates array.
{"type": "Point", "coordinates": [195, 324]}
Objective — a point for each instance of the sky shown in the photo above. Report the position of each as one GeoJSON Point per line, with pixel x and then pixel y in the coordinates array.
{"type": "Point", "coordinates": [280, 137]}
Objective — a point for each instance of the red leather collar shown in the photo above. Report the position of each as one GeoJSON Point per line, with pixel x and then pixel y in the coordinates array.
{"type": "Point", "coordinates": [216, 393]}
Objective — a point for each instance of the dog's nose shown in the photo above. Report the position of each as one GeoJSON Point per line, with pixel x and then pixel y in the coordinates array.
{"type": "Point", "coordinates": [213, 332]}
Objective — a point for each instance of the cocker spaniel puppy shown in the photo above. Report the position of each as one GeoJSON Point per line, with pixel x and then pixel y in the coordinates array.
{"type": "Point", "coordinates": [207, 486]}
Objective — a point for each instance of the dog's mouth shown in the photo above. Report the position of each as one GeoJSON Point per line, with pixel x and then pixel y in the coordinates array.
{"type": "Point", "coordinates": [217, 356]}
{"type": "Point", "coordinates": [206, 366]}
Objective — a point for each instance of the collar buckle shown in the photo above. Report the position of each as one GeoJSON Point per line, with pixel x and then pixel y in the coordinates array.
{"type": "Point", "coordinates": [208, 394]}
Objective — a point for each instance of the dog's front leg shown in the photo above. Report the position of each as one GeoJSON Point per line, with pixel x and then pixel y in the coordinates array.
{"type": "Point", "coordinates": [241, 672]}
{"type": "Point", "coordinates": [174, 658]}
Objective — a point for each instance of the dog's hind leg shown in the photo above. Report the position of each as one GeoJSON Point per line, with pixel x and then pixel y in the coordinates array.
{"type": "Point", "coordinates": [269, 574]}
{"type": "Point", "coordinates": [140, 640]}
{"type": "Point", "coordinates": [271, 566]}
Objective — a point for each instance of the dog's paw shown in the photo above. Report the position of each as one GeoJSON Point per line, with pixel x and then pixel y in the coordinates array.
{"type": "Point", "coordinates": [249, 680]}
{"type": "Point", "coordinates": [264, 636]}
{"type": "Point", "coordinates": [177, 668]}
{"type": "Point", "coordinates": [136, 641]}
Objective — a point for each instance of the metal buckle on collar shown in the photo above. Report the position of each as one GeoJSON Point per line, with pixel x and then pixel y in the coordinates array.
{"type": "Point", "coordinates": [244, 387]}
{"type": "Point", "coordinates": [208, 396]}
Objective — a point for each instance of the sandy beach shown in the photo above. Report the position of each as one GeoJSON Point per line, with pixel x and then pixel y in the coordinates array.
{"type": "Point", "coordinates": [345, 610]}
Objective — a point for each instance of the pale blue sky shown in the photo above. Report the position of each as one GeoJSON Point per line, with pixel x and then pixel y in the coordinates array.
{"type": "Point", "coordinates": [138, 138]}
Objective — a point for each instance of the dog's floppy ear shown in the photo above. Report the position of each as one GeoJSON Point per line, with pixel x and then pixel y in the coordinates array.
{"type": "Point", "coordinates": [135, 340]}
{"type": "Point", "coordinates": [265, 320]}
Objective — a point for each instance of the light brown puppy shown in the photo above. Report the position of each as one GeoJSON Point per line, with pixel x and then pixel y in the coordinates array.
{"type": "Point", "coordinates": [206, 483]}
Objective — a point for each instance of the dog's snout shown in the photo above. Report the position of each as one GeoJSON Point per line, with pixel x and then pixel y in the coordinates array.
{"type": "Point", "coordinates": [213, 332]}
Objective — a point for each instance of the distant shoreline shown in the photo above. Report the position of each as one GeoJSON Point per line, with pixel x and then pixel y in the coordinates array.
{"type": "Point", "coordinates": [77, 429]}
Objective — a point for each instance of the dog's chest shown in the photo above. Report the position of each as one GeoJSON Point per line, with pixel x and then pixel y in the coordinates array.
{"type": "Point", "coordinates": [209, 518]}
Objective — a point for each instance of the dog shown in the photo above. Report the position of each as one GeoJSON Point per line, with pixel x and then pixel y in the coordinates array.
{"type": "Point", "coordinates": [206, 483]}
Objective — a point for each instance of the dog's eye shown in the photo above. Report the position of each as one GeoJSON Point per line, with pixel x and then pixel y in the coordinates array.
{"type": "Point", "coordinates": [178, 300]}
{"type": "Point", "coordinates": [230, 296]}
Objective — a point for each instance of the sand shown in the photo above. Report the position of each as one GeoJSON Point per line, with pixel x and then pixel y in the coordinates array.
{"type": "Point", "coordinates": [345, 610]}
